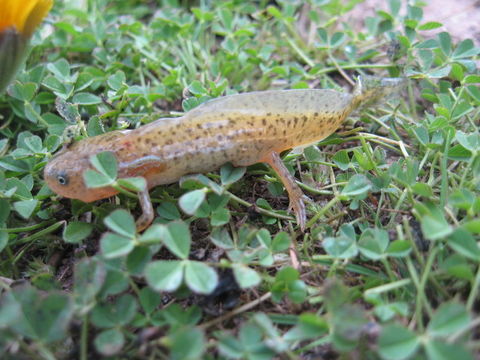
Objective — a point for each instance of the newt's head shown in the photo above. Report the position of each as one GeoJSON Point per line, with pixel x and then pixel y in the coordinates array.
{"type": "Point", "coordinates": [64, 172]}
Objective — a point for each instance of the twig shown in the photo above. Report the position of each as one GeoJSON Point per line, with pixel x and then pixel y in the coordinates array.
{"type": "Point", "coordinates": [236, 311]}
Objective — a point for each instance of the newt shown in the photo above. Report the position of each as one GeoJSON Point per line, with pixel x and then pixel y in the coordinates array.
{"type": "Point", "coordinates": [243, 129]}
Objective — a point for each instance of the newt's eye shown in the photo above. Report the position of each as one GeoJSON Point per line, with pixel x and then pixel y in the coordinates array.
{"type": "Point", "coordinates": [62, 179]}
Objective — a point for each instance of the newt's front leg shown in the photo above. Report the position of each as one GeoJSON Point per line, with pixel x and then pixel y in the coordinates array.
{"type": "Point", "coordinates": [147, 210]}
{"type": "Point", "coordinates": [295, 194]}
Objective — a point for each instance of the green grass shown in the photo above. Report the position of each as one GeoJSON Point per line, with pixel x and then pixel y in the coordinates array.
{"type": "Point", "coordinates": [389, 266]}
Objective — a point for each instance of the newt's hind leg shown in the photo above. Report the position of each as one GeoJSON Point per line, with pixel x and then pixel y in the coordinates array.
{"type": "Point", "coordinates": [147, 210]}
{"type": "Point", "coordinates": [295, 194]}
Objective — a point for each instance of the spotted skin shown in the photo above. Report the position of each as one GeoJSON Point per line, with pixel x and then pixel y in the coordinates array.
{"type": "Point", "coordinates": [243, 129]}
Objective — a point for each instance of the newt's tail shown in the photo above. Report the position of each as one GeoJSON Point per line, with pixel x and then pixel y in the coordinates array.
{"type": "Point", "coordinates": [370, 89]}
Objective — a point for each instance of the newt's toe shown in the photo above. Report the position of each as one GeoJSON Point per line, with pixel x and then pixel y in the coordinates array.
{"type": "Point", "coordinates": [298, 207]}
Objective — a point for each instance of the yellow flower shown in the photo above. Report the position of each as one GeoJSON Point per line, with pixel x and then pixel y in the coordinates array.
{"type": "Point", "coordinates": [18, 20]}
{"type": "Point", "coordinates": [23, 15]}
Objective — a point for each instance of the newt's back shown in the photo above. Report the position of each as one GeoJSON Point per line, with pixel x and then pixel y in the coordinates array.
{"type": "Point", "coordinates": [242, 128]}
